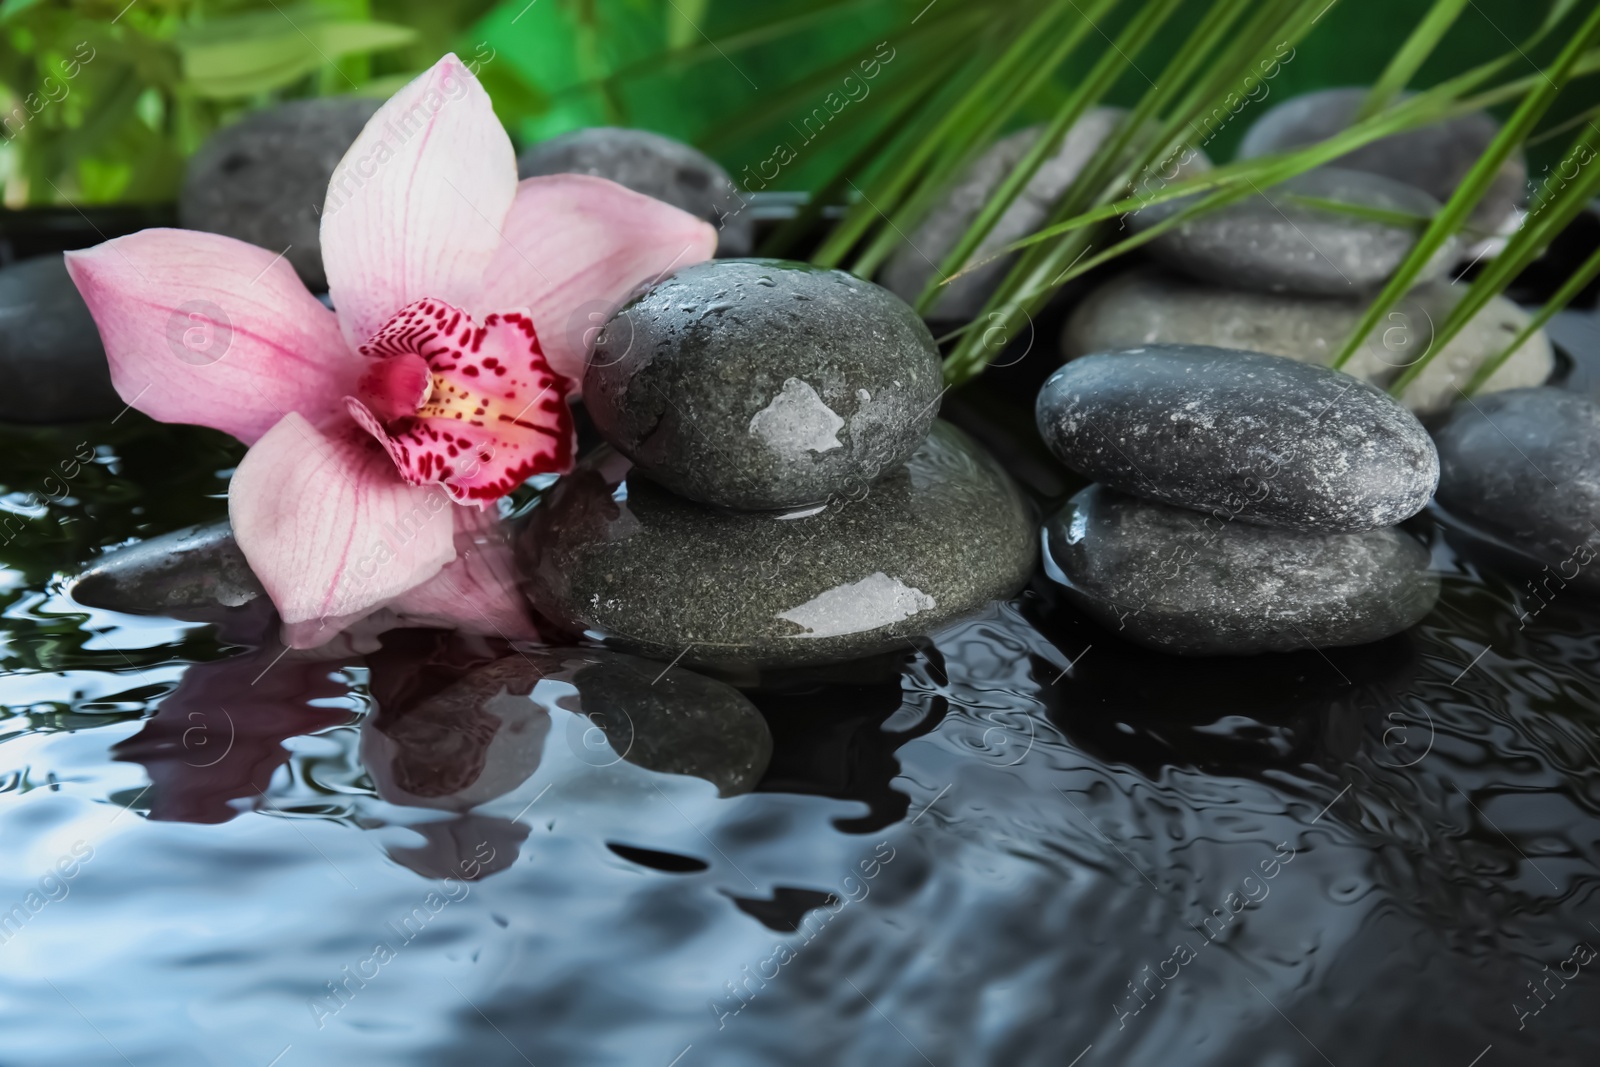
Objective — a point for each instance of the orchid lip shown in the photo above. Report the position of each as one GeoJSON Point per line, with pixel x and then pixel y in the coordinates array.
{"type": "Point", "coordinates": [473, 407]}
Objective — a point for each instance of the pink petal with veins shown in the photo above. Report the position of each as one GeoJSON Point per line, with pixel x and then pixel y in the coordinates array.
{"type": "Point", "coordinates": [204, 329]}
{"type": "Point", "coordinates": [477, 593]}
{"type": "Point", "coordinates": [575, 248]}
{"type": "Point", "coordinates": [330, 530]}
{"type": "Point", "coordinates": [494, 415]}
{"type": "Point", "coordinates": [415, 207]}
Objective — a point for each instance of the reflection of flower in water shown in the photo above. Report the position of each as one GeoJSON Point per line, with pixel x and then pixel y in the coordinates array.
{"type": "Point", "coordinates": [268, 699]}
{"type": "Point", "coordinates": [438, 757]}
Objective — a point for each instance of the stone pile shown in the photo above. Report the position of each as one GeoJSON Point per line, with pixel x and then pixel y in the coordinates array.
{"type": "Point", "coordinates": [1245, 502]}
{"type": "Point", "coordinates": [1283, 274]}
{"type": "Point", "coordinates": [777, 489]}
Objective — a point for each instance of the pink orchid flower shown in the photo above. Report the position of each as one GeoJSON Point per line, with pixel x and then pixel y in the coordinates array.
{"type": "Point", "coordinates": [379, 431]}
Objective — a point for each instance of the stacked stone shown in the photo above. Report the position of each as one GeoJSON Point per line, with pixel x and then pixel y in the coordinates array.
{"type": "Point", "coordinates": [1244, 502]}
{"type": "Point", "coordinates": [1276, 273]}
{"type": "Point", "coordinates": [776, 489]}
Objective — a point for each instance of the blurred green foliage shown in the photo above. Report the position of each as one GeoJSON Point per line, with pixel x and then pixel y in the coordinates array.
{"type": "Point", "coordinates": [104, 99]}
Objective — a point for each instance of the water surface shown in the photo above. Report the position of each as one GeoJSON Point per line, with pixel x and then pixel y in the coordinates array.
{"type": "Point", "coordinates": [1035, 844]}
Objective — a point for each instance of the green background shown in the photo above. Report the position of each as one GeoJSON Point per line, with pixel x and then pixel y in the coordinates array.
{"type": "Point", "coordinates": [167, 72]}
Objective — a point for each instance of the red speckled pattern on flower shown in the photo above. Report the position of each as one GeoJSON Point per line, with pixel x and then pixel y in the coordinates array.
{"type": "Point", "coordinates": [490, 414]}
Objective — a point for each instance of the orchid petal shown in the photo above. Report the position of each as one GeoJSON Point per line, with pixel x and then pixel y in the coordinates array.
{"type": "Point", "coordinates": [477, 592]}
{"type": "Point", "coordinates": [329, 528]}
{"type": "Point", "coordinates": [415, 207]}
{"type": "Point", "coordinates": [493, 413]}
{"type": "Point", "coordinates": [205, 329]}
{"type": "Point", "coordinates": [576, 247]}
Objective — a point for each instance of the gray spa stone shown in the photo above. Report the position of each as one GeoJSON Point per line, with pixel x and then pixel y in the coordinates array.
{"type": "Point", "coordinates": [1523, 467]}
{"type": "Point", "coordinates": [1276, 244]}
{"type": "Point", "coordinates": [196, 567]}
{"type": "Point", "coordinates": [759, 383]}
{"type": "Point", "coordinates": [1243, 435]}
{"type": "Point", "coordinates": [909, 269]}
{"type": "Point", "coordinates": [1433, 158]}
{"type": "Point", "coordinates": [486, 734]}
{"type": "Point", "coordinates": [265, 178]}
{"type": "Point", "coordinates": [1189, 584]}
{"type": "Point", "coordinates": [51, 358]}
{"type": "Point", "coordinates": [655, 574]}
{"type": "Point", "coordinates": [656, 166]}
{"type": "Point", "coordinates": [1147, 306]}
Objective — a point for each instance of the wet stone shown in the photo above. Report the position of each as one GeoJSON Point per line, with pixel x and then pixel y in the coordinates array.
{"type": "Point", "coordinates": [1523, 467]}
{"type": "Point", "coordinates": [484, 735]}
{"type": "Point", "coordinates": [265, 178]}
{"type": "Point", "coordinates": [196, 567]}
{"type": "Point", "coordinates": [1275, 243]}
{"type": "Point", "coordinates": [51, 358]}
{"type": "Point", "coordinates": [1247, 436]}
{"type": "Point", "coordinates": [910, 268]}
{"type": "Point", "coordinates": [1148, 306]}
{"type": "Point", "coordinates": [657, 166]}
{"type": "Point", "coordinates": [1433, 158]}
{"type": "Point", "coordinates": [650, 572]}
{"type": "Point", "coordinates": [762, 383]}
{"type": "Point", "coordinates": [1191, 584]}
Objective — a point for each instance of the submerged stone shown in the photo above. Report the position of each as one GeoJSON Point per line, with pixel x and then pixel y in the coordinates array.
{"type": "Point", "coordinates": [196, 567]}
{"type": "Point", "coordinates": [932, 541]}
{"type": "Point", "coordinates": [1276, 243]}
{"type": "Point", "coordinates": [1242, 435]}
{"type": "Point", "coordinates": [264, 179]}
{"type": "Point", "coordinates": [758, 383]}
{"type": "Point", "coordinates": [487, 733]}
{"type": "Point", "coordinates": [1523, 467]}
{"type": "Point", "coordinates": [51, 358]}
{"type": "Point", "coordinates": [657, 166]}
{"type": "Point", "coordinates": [1146, 306]}
{"type": "Point", "coordinates": [1196, 585]}
{"type": "Point", "coordinates": [919, 259]}
{"type": "Point", "coordinates": [1434, 158]}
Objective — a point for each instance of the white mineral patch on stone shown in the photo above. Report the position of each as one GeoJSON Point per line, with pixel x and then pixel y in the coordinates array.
{"type": "Point", "coordinates": [876, 600]}
{"type": "Point", "coordinates": [797, 420]}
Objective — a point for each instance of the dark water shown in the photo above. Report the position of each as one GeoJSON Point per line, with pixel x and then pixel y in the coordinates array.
{"type": "Point", "coordinates": [1036, 845]}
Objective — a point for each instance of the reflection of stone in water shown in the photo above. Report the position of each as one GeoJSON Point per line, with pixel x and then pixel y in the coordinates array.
{"type": "Point", "coordinates": [1227, 716]}
{"type": "Point", "coordinates": [484, 734]}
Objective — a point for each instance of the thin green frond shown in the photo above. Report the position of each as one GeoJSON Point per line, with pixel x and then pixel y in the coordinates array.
{"type": "Point", "coordinates": [1471, 189]}
{"type": "Point", "coordinates": [1560, 299]}
{"type": "Point", "coordinates": [1412, 54]}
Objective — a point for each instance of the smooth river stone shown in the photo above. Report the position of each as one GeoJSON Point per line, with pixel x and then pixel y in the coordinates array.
{"type": "Point", "coordinates": [1275, 244]}
{"type": "Point", "coordinates": [759, 383]}
{"type": "Point", "coordinates": [1524, 468]}
{"type": "Point", "coordinates": [657, 166]}
{"type": "Point", "coordinates": [909, 269]}
{"type": "Point", "coordinates": [51, 358]}
{"type": "Point", "coordinates": [1190, 584]}
{"type": "Point", "coordinates": [1244, 435]}
{"type": "Point", "coordinates": [1147, 306]}
{"type": "Point", "coordinates": [196, 567]}
{"type": "Point", "coordinates": [650, 572]}
{"type": "Point", "coordinates": [487, 733]}
{"type": "Point", "coordinates": [265, 178]}
{"type": "Point", "coordinates": [1433, 158]}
